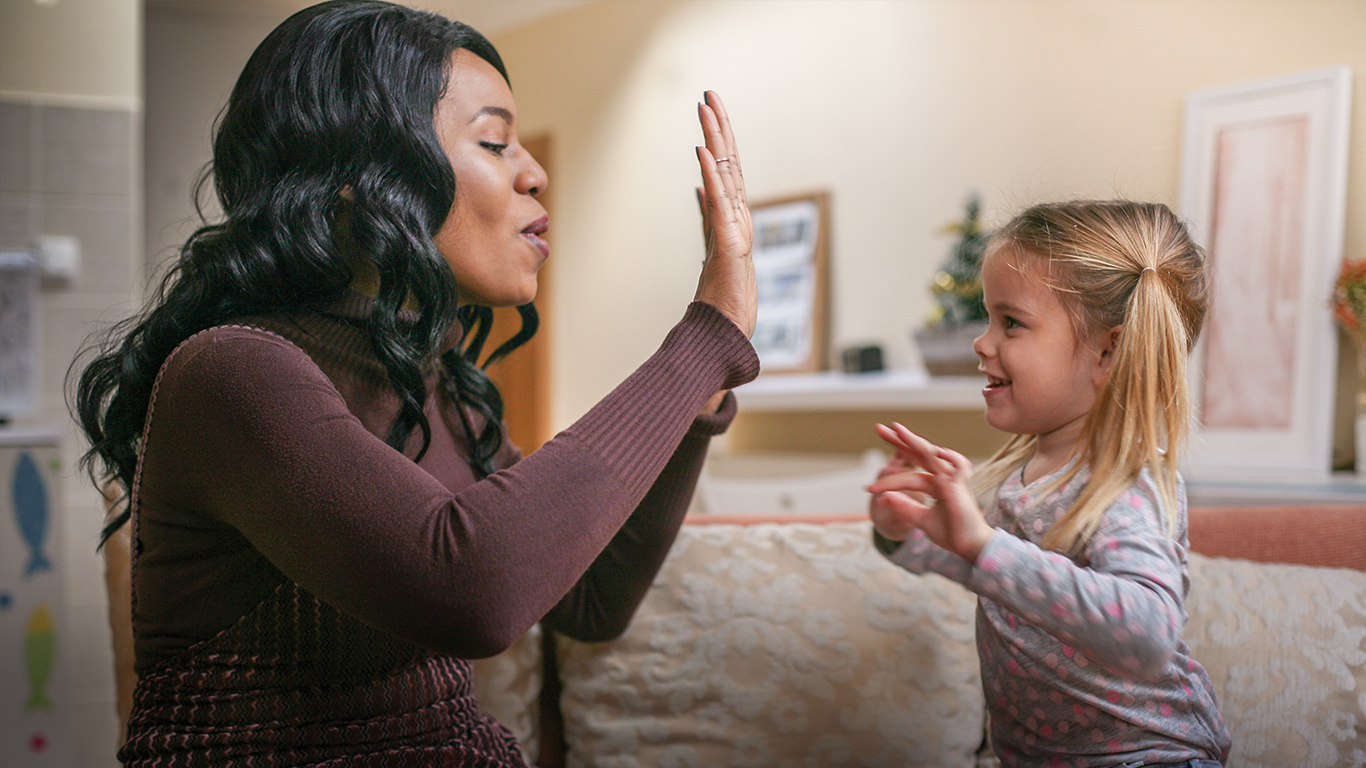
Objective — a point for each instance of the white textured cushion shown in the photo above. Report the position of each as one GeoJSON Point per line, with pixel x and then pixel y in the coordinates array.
{"type": "Point", "coordinates": [508, 688]}
{"type": "Point", "coordinates": [1285, 646]}
{"type": "Point", "coordinates": [780, 645]}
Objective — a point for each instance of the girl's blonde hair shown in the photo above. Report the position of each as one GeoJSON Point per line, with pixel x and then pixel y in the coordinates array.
{"type": "Point", "coordinates": [1125, 264]}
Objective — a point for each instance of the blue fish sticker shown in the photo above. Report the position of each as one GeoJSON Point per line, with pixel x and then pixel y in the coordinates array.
{"type": "Point", "coordinates": [30, 509]}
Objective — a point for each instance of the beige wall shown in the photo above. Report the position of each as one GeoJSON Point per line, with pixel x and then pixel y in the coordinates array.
{"type": "Point", "coordinates": [77, 48]}
{"type": "Point", "coordinates": [70, 90]}
{"type": "Point", "coordinates": [899, 108]}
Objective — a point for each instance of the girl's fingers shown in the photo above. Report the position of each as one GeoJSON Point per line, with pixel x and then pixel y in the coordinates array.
{"type": "Point", "coordinates": [961, 465]}
{"type": "Point", "coordinates": [912, 481]}
{"type": "Point", "coordinates": [925, 453]}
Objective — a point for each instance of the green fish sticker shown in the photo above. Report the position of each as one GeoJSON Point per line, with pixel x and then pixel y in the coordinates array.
{"type": "Point", "coordinates": [40, 655]}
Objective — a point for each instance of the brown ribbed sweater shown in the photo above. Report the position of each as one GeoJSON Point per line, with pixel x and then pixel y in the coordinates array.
{"type": "Point", "coordinates": [263, 468]}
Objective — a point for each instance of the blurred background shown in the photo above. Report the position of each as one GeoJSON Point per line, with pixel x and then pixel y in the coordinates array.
{"type": "Point", "coordinates": [897, 109]}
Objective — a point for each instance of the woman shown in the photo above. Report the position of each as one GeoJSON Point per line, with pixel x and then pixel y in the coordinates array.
{"type": "Point", "coordinates": [327, 516]}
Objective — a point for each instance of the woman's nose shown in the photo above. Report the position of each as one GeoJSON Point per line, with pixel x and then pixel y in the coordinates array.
{"type": "Point", "coordinates": [531, 178]}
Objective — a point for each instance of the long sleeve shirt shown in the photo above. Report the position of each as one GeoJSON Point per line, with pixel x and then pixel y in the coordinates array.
{"type": "Point", "coordinates": [263, 461]}
{"type": "Point", "coordinates": [1082, 658]}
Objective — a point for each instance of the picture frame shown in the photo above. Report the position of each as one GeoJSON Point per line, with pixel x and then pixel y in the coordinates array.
{"type": "Point", "coordinates": [1264, 178]}
{"type": "Point", "coordinates": [791, 270]}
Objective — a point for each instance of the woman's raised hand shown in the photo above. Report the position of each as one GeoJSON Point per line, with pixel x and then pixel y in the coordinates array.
{"type": "Point", "coordinates": [727, 280]}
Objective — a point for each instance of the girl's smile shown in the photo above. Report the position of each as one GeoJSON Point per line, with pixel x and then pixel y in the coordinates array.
{"type": "Point", "coordinates": [1041, 379]}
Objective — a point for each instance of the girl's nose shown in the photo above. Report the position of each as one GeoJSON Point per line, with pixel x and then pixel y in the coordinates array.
{"type": "Point", "coordinates": [980, 345]}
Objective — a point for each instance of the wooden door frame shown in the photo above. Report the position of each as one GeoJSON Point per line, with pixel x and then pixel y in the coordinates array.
{"type": "Point", "coordinates": [524, 377]}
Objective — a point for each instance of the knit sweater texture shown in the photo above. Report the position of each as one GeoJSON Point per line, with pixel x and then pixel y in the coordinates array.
{"type": "Point", "coordinates": [304, 594]}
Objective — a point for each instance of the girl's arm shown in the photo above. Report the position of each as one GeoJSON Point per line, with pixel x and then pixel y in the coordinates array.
{"type": "Point", "coordinates": [1123, 608]}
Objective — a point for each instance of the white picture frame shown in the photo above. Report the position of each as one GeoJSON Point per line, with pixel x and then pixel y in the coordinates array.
{"type": "Point", "coordinates": [1264, 179]}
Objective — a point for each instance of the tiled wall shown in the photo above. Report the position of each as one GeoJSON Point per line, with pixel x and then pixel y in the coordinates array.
{"type": "Point", "coordinates": [71, 169]}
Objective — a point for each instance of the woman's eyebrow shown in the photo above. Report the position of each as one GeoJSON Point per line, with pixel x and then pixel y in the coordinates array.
{"type": "Point", "coordinates": [496, 112]}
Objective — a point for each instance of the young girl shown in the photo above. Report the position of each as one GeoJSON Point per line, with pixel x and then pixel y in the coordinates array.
{"type": "Point", "coordinates": [1079, 560]}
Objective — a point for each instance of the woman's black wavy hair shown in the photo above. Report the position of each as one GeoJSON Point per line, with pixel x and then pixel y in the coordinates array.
{"type": "Point", "coordinates": [341, 96]}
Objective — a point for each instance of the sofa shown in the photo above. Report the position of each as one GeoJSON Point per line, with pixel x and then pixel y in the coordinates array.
{"type": "Point", "coordinates": [786, 641]}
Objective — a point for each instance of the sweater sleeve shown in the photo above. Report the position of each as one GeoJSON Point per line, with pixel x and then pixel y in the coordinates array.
{"type": "Point", "coordinates": [918, 554]}
{"type": "Point", "coordinates": [264, 443]}
{"type": "Point", "coordinates": [601, 604]}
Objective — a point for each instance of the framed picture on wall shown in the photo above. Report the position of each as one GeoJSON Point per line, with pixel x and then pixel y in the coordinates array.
{"type": "Point", "coordinates": [791, 245]}
{"type": "Point", "coordinates": [1264, 189]}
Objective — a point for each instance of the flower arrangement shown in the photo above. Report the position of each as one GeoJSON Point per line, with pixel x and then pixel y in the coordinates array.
{"type": "Point", "coordinates": [1349, 300]}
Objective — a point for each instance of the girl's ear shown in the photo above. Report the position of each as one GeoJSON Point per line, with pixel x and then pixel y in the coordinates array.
{"type": "Point", "coordinates": [1109, 341]}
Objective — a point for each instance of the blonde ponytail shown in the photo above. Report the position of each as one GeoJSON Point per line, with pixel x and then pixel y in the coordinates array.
{"type": "Point", "coordinates": [1131, 266]}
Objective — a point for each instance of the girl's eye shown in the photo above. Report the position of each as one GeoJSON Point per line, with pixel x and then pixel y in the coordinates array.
{"type": "Point", "coordinates": [1010, 322]}
{"type": "Point", "coordinates": [494, 147]}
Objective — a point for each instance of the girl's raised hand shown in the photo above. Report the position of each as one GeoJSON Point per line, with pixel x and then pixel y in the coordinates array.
{"type": "Point", "coordinates": [727, 280]}
{"type": "Point", "coordinates": [953, 520]}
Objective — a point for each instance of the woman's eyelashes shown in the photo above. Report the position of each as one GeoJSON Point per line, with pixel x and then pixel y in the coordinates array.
{"type": "Point", "coordinates": [494, 147]}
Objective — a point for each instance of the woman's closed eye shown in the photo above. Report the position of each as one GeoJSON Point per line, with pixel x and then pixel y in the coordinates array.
{"type": "Point", "coordinates": [494, 147]}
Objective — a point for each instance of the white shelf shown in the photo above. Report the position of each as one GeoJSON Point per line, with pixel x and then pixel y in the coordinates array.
{"type": "Point", "coordinates": [29, 436]}
{"type": "Point", "coordinates": [911, 388]}
{"type": "Point", "coordinates": [1337, 488]}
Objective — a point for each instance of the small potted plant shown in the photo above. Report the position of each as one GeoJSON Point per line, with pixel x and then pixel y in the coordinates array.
{"type": "Point", "coordinates": [959, 315]}
{"type": "Point", "coordinates": [1349, 308]}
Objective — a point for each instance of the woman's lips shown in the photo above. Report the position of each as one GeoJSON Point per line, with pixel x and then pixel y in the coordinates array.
{"type": "Point", "coordinates": [533, 231]}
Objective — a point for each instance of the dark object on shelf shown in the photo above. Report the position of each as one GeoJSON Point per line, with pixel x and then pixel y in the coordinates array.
{"type": "Point", "coordinates": [863, 359]}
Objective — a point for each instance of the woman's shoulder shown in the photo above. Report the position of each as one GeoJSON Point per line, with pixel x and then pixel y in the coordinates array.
{"type": "Point", "coordinates": [237, 352]}
{"type": "Point", "coordinates": [232, 342]}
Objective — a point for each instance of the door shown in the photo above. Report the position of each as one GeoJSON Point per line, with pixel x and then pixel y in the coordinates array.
{"type": "Point", "coordinates": [524, 376]}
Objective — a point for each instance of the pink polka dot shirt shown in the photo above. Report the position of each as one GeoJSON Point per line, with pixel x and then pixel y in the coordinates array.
{"type": "Point", "coordinates": [1082, 658]}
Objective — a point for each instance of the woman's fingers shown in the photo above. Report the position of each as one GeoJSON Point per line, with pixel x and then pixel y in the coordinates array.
{"type": "Point", "coordinates": [727, 163]}
{"type": "Point", "coordinates": [729, 149]}
{"type": "Point", "coordinates": [706, 217]}
{"type": "Point", "coordinates": [727, 280]}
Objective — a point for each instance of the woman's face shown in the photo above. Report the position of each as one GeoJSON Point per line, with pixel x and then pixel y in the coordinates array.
{"type": "Point", "coordinates": [493, 237]}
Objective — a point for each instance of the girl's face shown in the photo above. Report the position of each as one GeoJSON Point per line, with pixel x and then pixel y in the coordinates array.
{"type": "Point", "coordinates": [494, 235]}
{"type": "Point", "coordinates": [1041, 379]}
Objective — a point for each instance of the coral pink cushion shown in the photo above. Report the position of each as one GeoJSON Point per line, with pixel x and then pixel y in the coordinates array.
{"type": "Point", "coordinates": [1331, 536]}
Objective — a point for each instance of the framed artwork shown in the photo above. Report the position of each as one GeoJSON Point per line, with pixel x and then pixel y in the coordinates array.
{"type": "Point", "coordinates": [19, 282]}
{"type": "Point", "coordinates": [791, 254]}
{"type": "Point", "coordinates": [1264, 178]}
